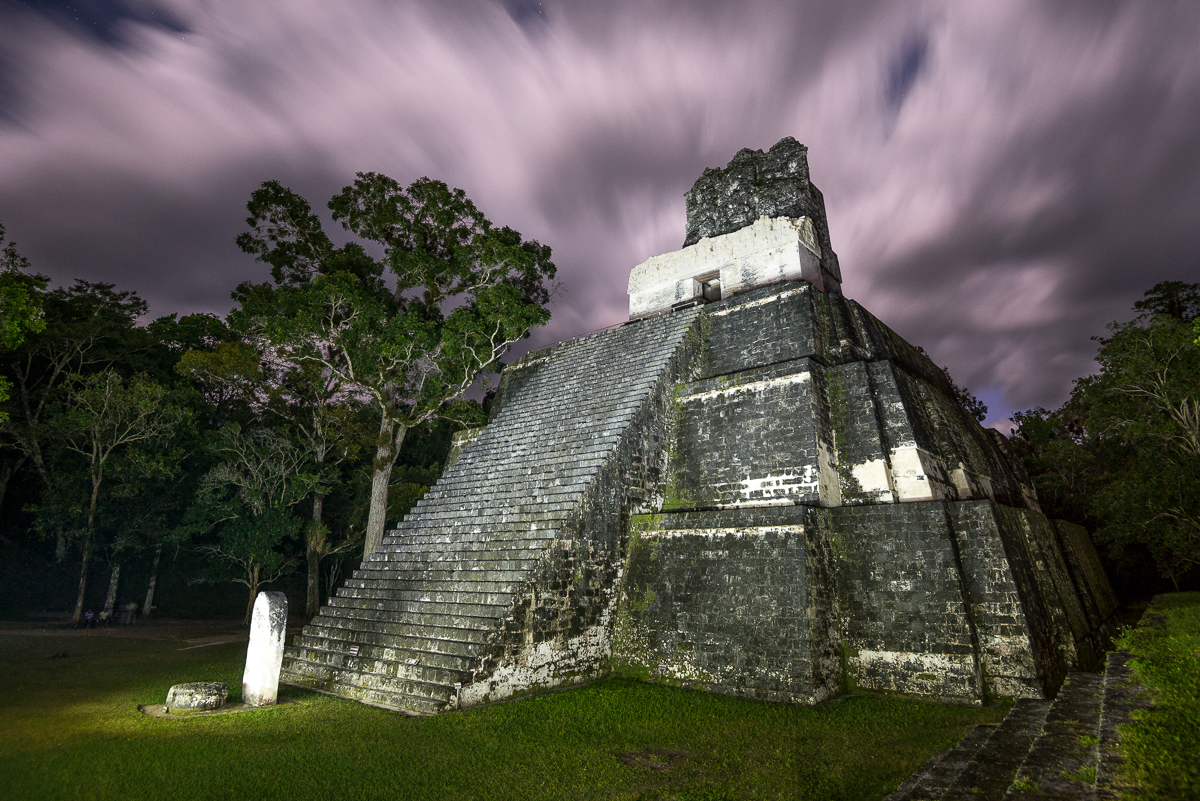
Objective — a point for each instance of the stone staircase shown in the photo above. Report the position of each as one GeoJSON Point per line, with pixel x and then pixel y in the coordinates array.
{"type": "Point", "coordinates": [414, 622]}
{"type": "Point", "coordinates": [1065, 749]}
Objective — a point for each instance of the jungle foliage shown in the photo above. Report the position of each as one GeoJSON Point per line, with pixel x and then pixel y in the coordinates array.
{"type": "Point", "coordinates": [1122, 455]}
{"type": "Point", "coordinates": [317, 412]}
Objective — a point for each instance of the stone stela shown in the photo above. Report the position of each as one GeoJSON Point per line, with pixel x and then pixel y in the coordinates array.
{"type": "Point", "coordinates": [753, 487]}
{"type": "Point", "coordinates": [264, 654]}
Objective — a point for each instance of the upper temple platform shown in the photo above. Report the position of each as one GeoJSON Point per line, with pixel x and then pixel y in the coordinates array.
{"type": "Point", "coordinates": [760, 220]}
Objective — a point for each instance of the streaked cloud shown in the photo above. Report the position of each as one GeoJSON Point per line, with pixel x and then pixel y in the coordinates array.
{"type": "Point", "coordinates": [1002, 178]}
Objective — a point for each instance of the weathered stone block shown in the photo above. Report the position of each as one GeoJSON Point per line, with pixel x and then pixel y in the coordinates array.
{"type": "Point", "coordinates": [765, 252]}
{"type": "Point", "coordinates": [906, 624]}
{"type": "Point", "coordinates": [200, 696]}
{"type": "Point", "coordinates": [774, 184]}
{"type": "Point", "coordinates": [264, 655]}
{"type": "Point", "coordinates": [738, 609]}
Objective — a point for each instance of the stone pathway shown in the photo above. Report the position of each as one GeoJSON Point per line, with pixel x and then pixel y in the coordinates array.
{"type": "Point", "coordinates": [1065, 749]}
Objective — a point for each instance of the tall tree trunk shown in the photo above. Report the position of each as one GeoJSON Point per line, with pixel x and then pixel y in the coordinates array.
{"type": "Point", "coordinates": [146, 607]}
{"type": "Point", "coordinates": [110, 600]}
{"type": "Point", "coordinates": [252, 582]}
{"type": "Point", "coordinates": [88, 539]}
{"type": "Point", "coordinates": [35, 453]}
{"type": "Point", "coordinates": [315, 550]}
{"type": "Point", "coordinates": [391, 437]}
{"type": "Point", "coordinates": [7, 470]}
{"type": "Point", "coordinates": [332, 574]}
{"type": "Point", "coordinates": [83, 577]}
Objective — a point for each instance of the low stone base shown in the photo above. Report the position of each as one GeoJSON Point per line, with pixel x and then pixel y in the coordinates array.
{"type": "Point", "coordinates": [159, 711]}
{"type": "Point", "coordinates": [200, 696]}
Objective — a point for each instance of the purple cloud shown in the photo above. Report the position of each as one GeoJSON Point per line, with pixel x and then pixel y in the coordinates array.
{"type": "Point", "coordinates": [1001, 179]}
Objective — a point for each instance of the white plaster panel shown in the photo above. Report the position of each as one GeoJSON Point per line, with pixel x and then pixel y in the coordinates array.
{"type": "Point", "coordinates": [769, 250]}
{"type": "Point", "coordinates": [875, 479]}
{"type": "Point", "coordinates": [918, 475]}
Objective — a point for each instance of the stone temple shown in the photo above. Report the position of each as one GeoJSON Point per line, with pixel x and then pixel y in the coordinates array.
{"type": "Point", "coordinates": [753, 487]}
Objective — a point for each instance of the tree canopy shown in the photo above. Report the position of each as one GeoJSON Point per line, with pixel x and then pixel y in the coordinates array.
{"type": "Point", "coordinates": [1122, 456]}
{"type": "Point", "coordinates": [408, 333]}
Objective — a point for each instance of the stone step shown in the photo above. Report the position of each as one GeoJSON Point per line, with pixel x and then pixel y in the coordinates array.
{"type": "Point", "coordinates": [359, 686]}
{"type": "Point", "coordinates": [474, 561]}
{"type": "Point", "coordinates": [438, 572]}
{"type": "Point", "coordinates": [940, 772]}
{"type": "Point", "coordinates": [508, 585]}
{"type": "Point", "coordinates": [423, 608]}
{"type": "Point", "coordinates": [1061, 764]}
{"type": "Point", "coordinates": [575, 455]}
{"type": "Point", "coordinates": [474, 541]}
{"type": "Point", "coordinates": [479, 512]}
{"type": "Point", "coordinates": [1122, 697]}
{"type": "Point", "coordinates": [476, 505]}
{"type": "Point", "coordinates": [511, 462]}
{"type": "Point", "coordinates": [399, 663]}
{"type": "Point", "coordinates": [331, 664]}
{"type": "Point", "coordinates": [329, 626]}
{"type": "Point", "coordinates": [991, 771]}
{"type": "Point", "coordinates": [448, 596]}
{"type": "Point", "coordinates": [403, 638]}
{"type": "Point", "coordinates": [343, 617]}
{"type": "Point", "coordinates": [482, 549]}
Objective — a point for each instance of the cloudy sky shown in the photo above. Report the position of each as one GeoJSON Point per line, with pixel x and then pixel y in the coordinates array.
{"type": "Point", "coordinates": [1002, 178]}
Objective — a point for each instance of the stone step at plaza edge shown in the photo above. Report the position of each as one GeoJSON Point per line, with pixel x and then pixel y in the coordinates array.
{"type": "Point", "coordinates": [752, 487]}
{"type": "Point", "coordinates": [1065, 750]}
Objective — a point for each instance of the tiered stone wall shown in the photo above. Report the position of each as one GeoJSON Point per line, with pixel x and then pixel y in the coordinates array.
{"type": "Point", "coordinates": [820, 470]}
{"type": "Point", "coordinates": [736, 601]}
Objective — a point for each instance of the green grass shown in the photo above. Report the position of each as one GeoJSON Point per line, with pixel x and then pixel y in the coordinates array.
{"type": "Point", "coordinates": [1162, 746]}
{"type": "Point", "coordinates": [69, 728]}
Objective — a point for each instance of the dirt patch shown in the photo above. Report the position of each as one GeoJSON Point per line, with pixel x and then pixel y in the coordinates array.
{"type": "Point", "coordinates": [655, 759]}
{"type": "Point", "coordinates": [218, 639]}
{"type": "Point", "coordinates": [158, 710]}
{"type": "Point", "coordinates": [189, 633]}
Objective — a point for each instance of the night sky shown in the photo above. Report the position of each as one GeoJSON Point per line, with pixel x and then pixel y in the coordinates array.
{"type": "Point", "coordinates": [1002, 178]}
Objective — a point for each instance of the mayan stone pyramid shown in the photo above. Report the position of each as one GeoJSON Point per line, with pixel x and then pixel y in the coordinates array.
{"type": "Point", "coordinates": [753, 487]}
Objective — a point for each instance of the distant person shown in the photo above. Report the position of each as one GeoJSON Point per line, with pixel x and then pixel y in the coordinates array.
{"type": "Point", "coordinates": [89, 619]}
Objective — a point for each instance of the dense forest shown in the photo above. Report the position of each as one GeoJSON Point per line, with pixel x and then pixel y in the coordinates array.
{"type": "Point", "coordinates": [181, 463]}
{"type": "Point", "coordinates": [1122, 455]}
{"type": "Point", "coordinates": [160, 463]}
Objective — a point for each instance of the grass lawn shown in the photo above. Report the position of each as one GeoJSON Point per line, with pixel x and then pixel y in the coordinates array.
{"type": "Point", "coordinates": [1163, 744]}
{"type": "Point", "coordinates": [70, 728]}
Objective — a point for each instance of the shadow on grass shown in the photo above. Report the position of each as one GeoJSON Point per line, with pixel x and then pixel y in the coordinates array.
{"type": "Point", "coordinates": [72, 730]}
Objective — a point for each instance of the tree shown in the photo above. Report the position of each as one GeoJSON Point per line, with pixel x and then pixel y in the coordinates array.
{"type": "Point", "coordinates": [310, 404]}
{"type": "Point", "coordinates": [1172, 298]}
{"type": "Point", "coordinates": [248, 497]}
{"type": "Point", "coordinates": [1061, 459]}
{"type": "Point", "coordinates": [89, 326]}
{"type": "Point", "coordinates": [1123, 454]}
{"type": "Point", "coordinates": [101, 418]}
{"type": "Point", "coordinates": [1147, 398]}
{"type": "Point", "coordinates": [20, 306]}
{"type": "Point", "coordinates": [465, 291]}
